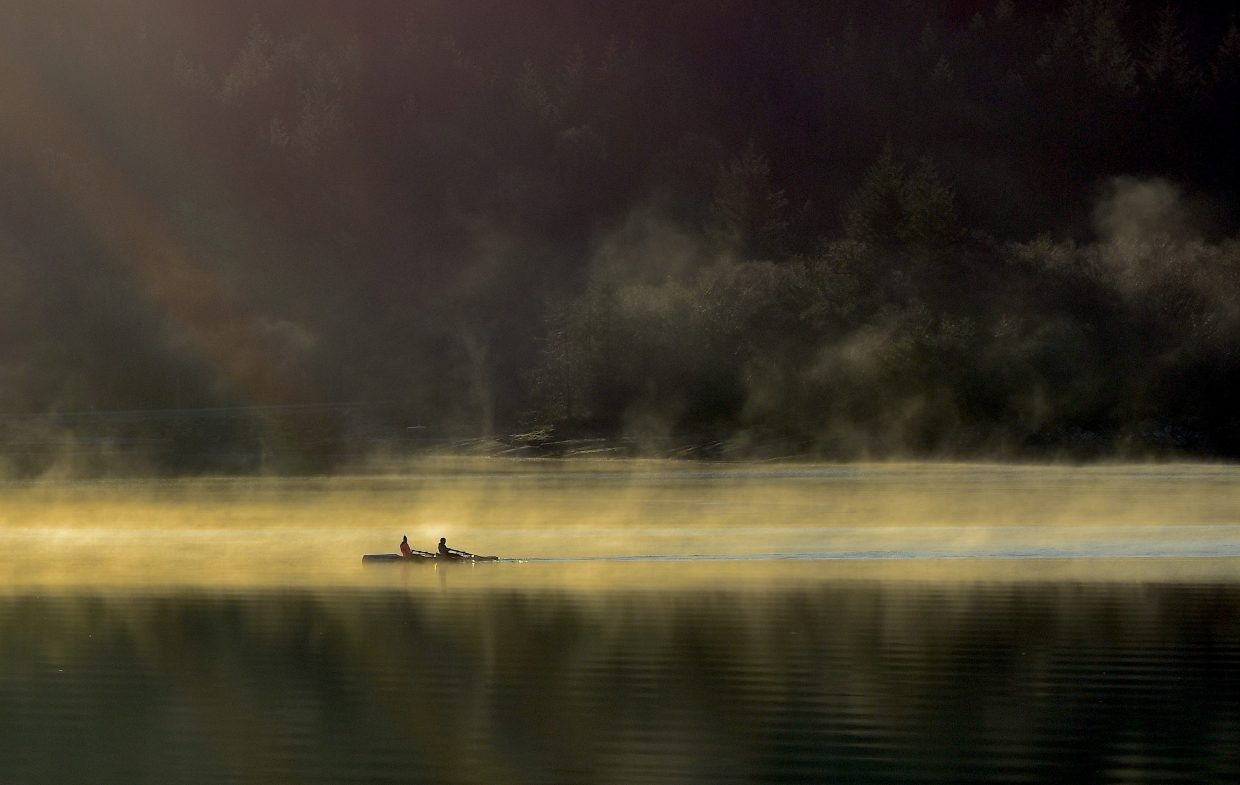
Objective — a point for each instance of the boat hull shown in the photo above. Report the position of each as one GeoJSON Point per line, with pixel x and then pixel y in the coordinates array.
{"type": "Point", "coordinates": [385, 558]}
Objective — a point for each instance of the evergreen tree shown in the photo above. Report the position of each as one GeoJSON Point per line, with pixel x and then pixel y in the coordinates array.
{"type": "Point", "coordinates": [1225, 69]}
{"type": "Point", "coordinates": [1165, 61]}
{"type": "Point", "coordinates": [253, 65]}
{"type": "Point", "coordinates": [1087, 36]}
{"type": "Point", "coordinates": [896, 206]}
{"type": "Point", "coordinates": [749, 214]}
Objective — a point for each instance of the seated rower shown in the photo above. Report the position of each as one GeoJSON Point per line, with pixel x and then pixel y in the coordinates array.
{"type": "Point", "coordinates": [404, 548]}
{"type": "Point", "coordinates": [446, 552]}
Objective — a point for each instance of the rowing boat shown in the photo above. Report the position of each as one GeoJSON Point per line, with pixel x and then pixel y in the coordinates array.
{"type": "Point", "coordinates": [387, 558]}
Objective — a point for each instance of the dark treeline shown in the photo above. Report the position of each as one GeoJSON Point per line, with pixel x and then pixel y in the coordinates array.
{"type": "Point", "coordinates": [841, 229]}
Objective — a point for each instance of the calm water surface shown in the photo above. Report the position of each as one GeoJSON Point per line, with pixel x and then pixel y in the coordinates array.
{"type": "Point", "coordinates": [663, 625]}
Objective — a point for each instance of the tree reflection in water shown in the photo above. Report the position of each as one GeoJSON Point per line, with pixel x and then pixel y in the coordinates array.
{"type": "Point", "coordinates": [864, 681]}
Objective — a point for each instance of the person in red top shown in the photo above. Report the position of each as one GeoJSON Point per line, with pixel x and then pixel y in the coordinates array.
{"type": "Point", "coordinates": [404, 547]}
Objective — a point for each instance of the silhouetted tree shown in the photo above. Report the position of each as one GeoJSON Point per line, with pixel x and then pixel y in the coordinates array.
{"type": "Point", "coordinates": [1087, 36]}
{"type": "Point", "coordinates": [1165, 61]}
{"type": "Point", "coordinates": [896, 206]}
{"type": "Point", "coordinates": [748, 212]}
{"type": "Point", "coordinates": [1225, 68]}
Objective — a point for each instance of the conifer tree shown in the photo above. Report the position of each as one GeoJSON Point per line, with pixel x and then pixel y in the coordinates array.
{"type": "Point", "coordinates": [749, 214]}
{"type": "Point", "coordinates": [1165, 61]}
{"type": "Point", "coordinates": [1225, 69]}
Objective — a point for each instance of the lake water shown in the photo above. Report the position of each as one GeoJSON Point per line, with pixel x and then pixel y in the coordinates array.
{"type": "Point", "coordinates": [659, 623]}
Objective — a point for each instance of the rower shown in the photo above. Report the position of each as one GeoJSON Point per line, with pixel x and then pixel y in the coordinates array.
{"type": "Point", "coordinates": [453, 554]}
{"type": "Point", "coordinates": [447, 553]}
{"type": "Point", "coordinates": [404, 547]}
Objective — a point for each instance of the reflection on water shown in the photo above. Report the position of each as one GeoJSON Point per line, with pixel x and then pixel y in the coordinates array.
{"type": "Point", "coordinates": [662, 623]}
{"type": "Point", "coordinates": [854, 681]}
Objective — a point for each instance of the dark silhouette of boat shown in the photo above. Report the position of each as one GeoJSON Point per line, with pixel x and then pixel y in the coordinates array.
{"type": "Point", "coordinates": [424, 558]}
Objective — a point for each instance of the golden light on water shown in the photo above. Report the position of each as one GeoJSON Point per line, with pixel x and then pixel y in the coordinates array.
{"type": "Point", "coordinates": [630, 523]}
{"type": "Point", "coordinates": [675, 612]}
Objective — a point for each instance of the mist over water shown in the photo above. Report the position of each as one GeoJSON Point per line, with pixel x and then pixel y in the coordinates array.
{"type": "Point", "coordinates": [619, 516]}
{"type": "Point", "coordinates": [652, 622]}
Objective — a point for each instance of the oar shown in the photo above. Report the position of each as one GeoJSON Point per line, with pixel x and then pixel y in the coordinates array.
{"type": "Point", "coordinates": [469, 555]}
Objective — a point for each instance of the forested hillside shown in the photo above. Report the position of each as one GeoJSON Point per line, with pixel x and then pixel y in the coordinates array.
{"type": "Point", "coordinates": [283, 233]}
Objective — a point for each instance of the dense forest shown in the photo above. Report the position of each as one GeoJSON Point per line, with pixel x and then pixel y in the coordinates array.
{"type": "Point", "coordinates": [288, 233]}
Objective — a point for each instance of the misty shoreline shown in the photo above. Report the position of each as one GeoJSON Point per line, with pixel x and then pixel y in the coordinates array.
{"type": "Point", "coordinates": [290, 236]}
{"type": "Point", "coordinates": [69, 459]}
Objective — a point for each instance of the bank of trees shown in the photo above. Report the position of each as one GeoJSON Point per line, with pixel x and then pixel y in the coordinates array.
{"type": "Point", "coordinates": [945, 343]}
{"type": "Point", "coordinates": [845, 228]}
